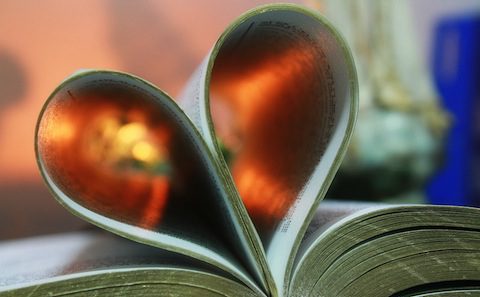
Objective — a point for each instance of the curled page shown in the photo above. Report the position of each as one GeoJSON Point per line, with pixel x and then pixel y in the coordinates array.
{"type": "Point", "coordinates": [276, 101]}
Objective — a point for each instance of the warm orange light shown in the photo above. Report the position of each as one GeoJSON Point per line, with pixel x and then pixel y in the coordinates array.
{"type": "Point", "coordinates": [64, 131]}
{"type": "Point", "coordinates": [239, 96]}
{"type": "Point", "coordinates": [109, 153]}
{"type": "Point", "coordinates": [145, 152]}
{"type": "Point", "coordinates": [268, 103]}
{"type": "Point", "coordinates": [262, 193]}
{"type": "Point", "coordinates": [153, 211]}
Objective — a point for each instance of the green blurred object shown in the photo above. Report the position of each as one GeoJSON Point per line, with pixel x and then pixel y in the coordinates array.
{"type": "Point", "coordinates": [398, 140]}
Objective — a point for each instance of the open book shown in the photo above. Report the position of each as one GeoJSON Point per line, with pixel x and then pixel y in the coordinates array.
{"type": "Point", "coordinates": [219, 194]}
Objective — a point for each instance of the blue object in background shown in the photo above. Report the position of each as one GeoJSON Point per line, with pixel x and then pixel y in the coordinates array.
{"type": "Point", "coordinates": [457, 76]}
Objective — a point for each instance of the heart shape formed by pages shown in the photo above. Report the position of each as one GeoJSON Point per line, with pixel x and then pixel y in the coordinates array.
{"type": "Point", "coordinates": [234, 175]}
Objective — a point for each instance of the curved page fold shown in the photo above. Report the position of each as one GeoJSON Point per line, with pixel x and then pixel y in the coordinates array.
{"type": "Point", "coordinates": [276, 101]}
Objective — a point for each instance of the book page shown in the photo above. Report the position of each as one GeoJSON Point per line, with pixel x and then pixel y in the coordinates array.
{"type": "Point", "coordinates": [324, 148]}
{"type": "Point", "coordinates": [40, 258]}
{"type": "Point", "coordinates": [328, 213]}
{"type": "Point", "coordinates": [193, 101]}
{"type": "Point", "coordinates": [405, 248]}
{"type": "Point", "coordinates": [279, 107]}
{"type": "Point", "coordinates": [101, 264]}
{"type": "Point", "coordinates": [120, 153]}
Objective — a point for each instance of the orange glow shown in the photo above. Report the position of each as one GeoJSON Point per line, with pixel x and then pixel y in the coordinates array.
{"type": "Point", "coordinates": [154, 209]}
{"type": "Point", "coordinates": [115, 157]}
{"type": "Point", "coordinates": [62, 132]}
{"type": "Point", "coordinates": [269, 109]}
{"type": "Point", "coordinates": [251, 92]}
{"type": "Point", "coordinates": [262, 194]}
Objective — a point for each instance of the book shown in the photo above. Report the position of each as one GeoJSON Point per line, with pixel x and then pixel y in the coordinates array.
{"type": "Point", "coordinates": [349, 249]}
{"type": "Point", "coordinates": [219, 193]}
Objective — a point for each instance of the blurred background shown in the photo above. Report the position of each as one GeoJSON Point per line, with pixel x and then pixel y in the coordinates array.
{"type": "Point", "coordinates": [417, 138]}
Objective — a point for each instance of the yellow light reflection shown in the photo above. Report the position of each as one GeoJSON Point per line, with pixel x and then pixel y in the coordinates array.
{"type": "Point", "coordinates": [111, 142]}
{"type": "Point", "coordinates": [130, 133]}
{"type": "Point", "coordinates": [145, 152]}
